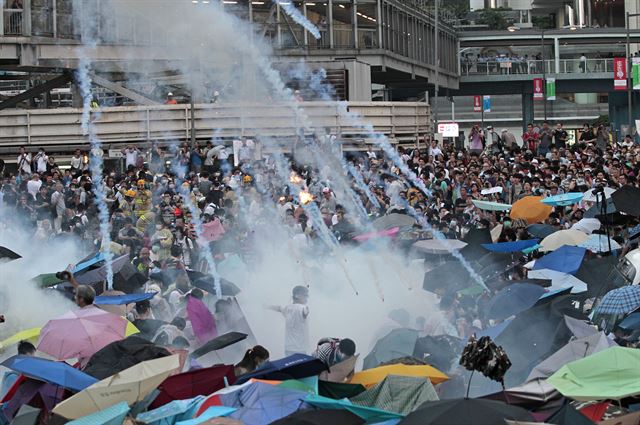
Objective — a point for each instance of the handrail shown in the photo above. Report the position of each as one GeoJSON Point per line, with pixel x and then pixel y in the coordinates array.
{"type": "Point", "coordinates": [521, 66]}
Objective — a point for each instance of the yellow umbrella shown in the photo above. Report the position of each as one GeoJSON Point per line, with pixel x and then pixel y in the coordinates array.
{"type": "Point", "coordinates": [131, 329]}
{"type": "Point", "coordinates": [373, 376]}
{"type": "Point", "coordinates": [26, 335]}
{"type": "Point", "coordinates": [131, 385]}
{"type": "Point", "coordinates": [531, 209]}
{"type": "Point", "coordinates": [563, 237]}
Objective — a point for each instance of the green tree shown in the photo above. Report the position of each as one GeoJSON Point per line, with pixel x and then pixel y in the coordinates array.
{"type": "Point", "coordinates": [494, 19]}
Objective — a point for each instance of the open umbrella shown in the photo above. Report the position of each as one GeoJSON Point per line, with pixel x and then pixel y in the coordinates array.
{"type": "Point", "coordinates": [567, 415]}
{"type": "Point", "coordinates": [398, 394]}
{"type": "Point", "coordinates": [531, 209]}
{"type": "Point", "coordinates": [113, 415]}
{"type": "Point", "coordinates": [437, 350]}
{"type": "Point", "coordinates": [123, 299]}
{"type": "Point", "coordinates": [541, 230]}
{"type": "Point", "coordinates": [631, 322]}
{"type": "Point", "coordinates": [587, 225]}
{"type": "Point", "coordinates": [603, 212]}
{"type": "Point", "coordinates": [600, 243]}
{"type": "Point", "coordinates": [564, 199]}
{"type": "Point", "coordinates": [369, 414]}
{"type": "Point", "coordinates": [121, 355]}
{"type": "Point", "coordinates": [206, 282]}
{"type": "Point", "coordinates": [202, 321]}
{"type": "Point", "coordinates": [619, 301]}
{"type": "Point", "coordinates": [467, 411]}
{"type": "Point", "coordinates": [393, 220]}
{"type": "Point", "coordinates": [295, 366]}
{"type": "Point", "coordinates": [593, 195]}
{"type": "Point", "coordinates": [562, 237]}
{"type": "Point", "coordinates": [370, 377]}
{"type": "Point", "coordinates": [513, 299]}
{"type": "Point", "coordinates": [491, 206]}
{"type": "Point", "coordinates": [8, 255]}
{"type": "Point", "coordinates": [514, 246]}
{"type": "Point", "coordinates": [439, 246]}
{"type": "Point", "coordinates": [397, 343]}
{"type": "Point", "coordinates": [131, 385]}
{"type": "Point", "coordinates": [170, 413]}
{"type": "Point", "coordinates": [26, 335]}
{"type": "Point", "coordinates": [595, 273]}
{"type": "Point", "coordinates": [81, 333]}
{"type": "Point", "coordinates": [565, 259]}
{"type": "Point", "coordinates": [559, 280]}
{"type": "Point", "coordinates": [214, 415]}
{"type": "Point", "coordinates": [627, 200]}
{"type": "Point", "coordinates": [57, 373]}
{"type": "Point", "coordinates": [27, 415]}
{"type": "Point", "coordinates": [91, 275]}
{"type": "Point", "coordinates": [611, 374]}
{"type": "Point", "coordinates": [321, 417]}
{"type": "Point", "coordinates": [218, 343]}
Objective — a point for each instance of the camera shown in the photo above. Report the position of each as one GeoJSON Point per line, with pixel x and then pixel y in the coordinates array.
{"type": "Point", "coordinates": [63, 275]}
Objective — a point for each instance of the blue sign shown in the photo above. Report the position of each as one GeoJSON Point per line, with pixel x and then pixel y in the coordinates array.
{"type": "Point", "coordinates": [486, 103]}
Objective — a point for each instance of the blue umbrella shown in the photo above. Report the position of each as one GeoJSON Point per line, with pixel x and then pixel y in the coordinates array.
{"type": "Point", "coordinates": [295, 366]}
{"type": "Point", "coordinates": [369, 414]}
{"type": "Point", "coordinates": [541, 230]}
{"type": "Point", "coordinates": [511, 246]}
{"type": "Point", "coordinates": [211, 413]}
{"type": "Point", "coordinates": [514, 299]}
{"type": "Point", "coordinates": [494, 331]}
{"type": "Point", "coordinates": [57, 373]}
{"type": "Point", "coordinates": [631, 322]}
{"type": "Point", "coordinates": [123, 299]}
{"type": "Point", "coordinates": [172, 412]}
{"type": "Point", "coordinates": [564, 199]}
{"type": "Point", "coordinates": [566, 259]}
{"type": "Point", "coordinates": [113, 415]}
{"type": "Point", "coordinates": [619, 301]}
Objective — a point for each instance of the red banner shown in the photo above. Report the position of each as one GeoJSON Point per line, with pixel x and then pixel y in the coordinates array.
{"type": "Point", "coordinates": [619, 74]}
{"type": "Point", "coordinates": [477, 103]}
{"type": "Point", "coordinates": [538, 90]}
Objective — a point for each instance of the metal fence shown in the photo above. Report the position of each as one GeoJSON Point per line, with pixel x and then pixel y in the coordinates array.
{"type": "Point", "coordinates": [508, 67]}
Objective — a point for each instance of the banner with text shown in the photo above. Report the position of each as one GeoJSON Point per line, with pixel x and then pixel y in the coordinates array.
{"type": "Point", "coordinates": [635, 73]}
{"type": "Point", "coordinates": [619, 73]}
{"type": "Point", "coordinates": [477, 103]}
{"type": "Point", "coordinates": [486, 103]}
{"type": "Point", "coordinates": [551, 89]}
{"type": "Point", "coordinates": [538, 93]}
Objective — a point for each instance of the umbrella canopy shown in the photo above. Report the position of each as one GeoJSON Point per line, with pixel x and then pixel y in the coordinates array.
{"type": "Point", "coordinates": [467, 411]}
{"type": "Point", "coordinates": [515, 246]}
{"type": "Point", "coordinates": [339, 390]}
{"type": "Point", "coordinates": [564, 199]}
{"type": "Point", "coordinates": [587, 225]}
{"type": "Point", "coordinates": [397, 343]}
{"type": "Point", "coordinates": [599, 243]}
{"type": "Point", "coordinates": [131, 385]}
{"type": "Point", "coordinates": [565, 259]}
{"type": "Point", "coordinates": [390, 221]}
{"type": "Point", "coordinates": [603, 212]}
{"type": "Point", "coordinates": [595, 273]}
{"type": "Point", "coordinates": [371, 377]}
{"type": "Point", "coordinates": [27, 415]}
{"type": "Point", "coordinates": [213, 412]}
{"type": "Point", "coordinates": [619, 301]}
{"type": "Point", "coordinates": [439, 350]}
{"type": "Point", "coordinates": [295, 366]}
{"type": "Point", "coordinates": [491, 206]}
{"type": "Point", "coordinates": [541, 230]}
{"type": "Point", "coordinates": [206, 282]}
{"type": "Point", "coordinates": [113, 415]}
{"type": "Point", "coordinates": [27, 334]}
{"type": "Point", "coordinates": [399, 394]}
{"type": "Point", "coordinates": [88, 275]}
{"type": "Point", "coordinates": [567, 415]}
{"type": "Point", "coordinates": [369, 414]}
{"type": "Point", "coordinates": [8, 255]}
{"type": "Point", "coordinates": [592, 195]}
{"type": "Point", "coordinates": [559, 280]}
{"type": "Point", "coordinates": [562, 237]}
{"type": "Point", "coordinates": [627, 200]}
{"type": "Point", "coordinates": [439, 246]}
{"type": "Point", "coordinates": [531, 209]}
{"type": "Point", "coordinates": [123, 299]}
{"type": "Point", "coordinates": [57, 373]}
{"type": "Point", "coordinates": [611, 374]}
{"type": "Point", "coordinates": [81, 333]}
{"type": "Point", "coordinates": [202, 321]}
{"type": "Point", "coordinates": [513, 299]}
{"type": "Point", "coordinates": [631, 322]}
{"type": "Point", "coordinates": [574, 350]}
{"type": "Point", "coordinates": [449, 276]}
{"type": "Point", "coordinates": [121, 355]}
{"type": "Point", "coordinates": [170, 413]}
{"type": "Point", "coordinates": [321, 417]}
{"type": "Point", "coordinates": [219, 342]}
{"type": "Point", "coordinates": [193, 383]}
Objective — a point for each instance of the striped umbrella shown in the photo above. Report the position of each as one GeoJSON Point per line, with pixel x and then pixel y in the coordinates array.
{"type": "Point", "coordinates": [619, 301]}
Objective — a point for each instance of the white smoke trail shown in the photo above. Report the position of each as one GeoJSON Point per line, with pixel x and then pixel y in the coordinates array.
{"type": "Point", "coordinates": [298, 17]}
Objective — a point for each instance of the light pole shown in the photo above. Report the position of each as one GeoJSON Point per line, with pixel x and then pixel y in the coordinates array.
{"type": "Point", "coordinates": [437, 64]}
{"type": "Point", "coordinates": [629, 77]}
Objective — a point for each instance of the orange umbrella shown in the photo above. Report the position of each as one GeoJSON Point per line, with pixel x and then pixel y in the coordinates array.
{"type": "Point", "coordinates": [531, 209]}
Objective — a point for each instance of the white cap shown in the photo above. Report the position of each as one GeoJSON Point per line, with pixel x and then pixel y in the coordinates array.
{"type": "Point", "coordinates": [169, 94]}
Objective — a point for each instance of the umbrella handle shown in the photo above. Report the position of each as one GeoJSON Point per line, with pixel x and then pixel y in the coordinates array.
{"type": "Point", "coordinates": [469, 383]}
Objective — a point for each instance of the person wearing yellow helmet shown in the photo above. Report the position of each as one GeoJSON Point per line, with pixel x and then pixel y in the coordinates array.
{"type": "Point", "coordinates": [126, 203]}
{"type": "Point", "coordinates": [143, 199]}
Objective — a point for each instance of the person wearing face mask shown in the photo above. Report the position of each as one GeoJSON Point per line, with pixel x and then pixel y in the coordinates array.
{"type": "Point", "coordinates": [161, 241]}
{"type": "Point", "coordinates": [143, 199]}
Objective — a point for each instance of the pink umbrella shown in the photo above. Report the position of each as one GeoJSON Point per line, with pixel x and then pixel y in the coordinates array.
{"type": "Point", "coordinates": [202, 321]}
{"type": "Point", "coordinates": [379, 234]}
{"type": "Point", "coordinates": [79, 334]}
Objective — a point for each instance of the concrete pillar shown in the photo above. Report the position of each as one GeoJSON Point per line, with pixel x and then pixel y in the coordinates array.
{"type": "Point", "coordinates": [330, 18]}
{"type": "Point", "coordinates": [354, 22]}
{"type": "Point", "coordinates": [556, 52]}
{"type": "Point", "coordinates": [527, 110]}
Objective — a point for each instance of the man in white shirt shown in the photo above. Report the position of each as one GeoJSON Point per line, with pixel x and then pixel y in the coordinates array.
{"type": "Point", "coordinates": [434, 150]}
{"type": "Point", "coordinates": [76, 162]}
{"type": "Point", "coordinates": [41, 159]}
{"type": "Point", "coordinates": [33, 185]}
{"type": "Point", "coordinates": [296, 336]}
{"type": "Point", "coordinates": [131, 156]}
{"type": "Point", "coordinates": [24, 162]}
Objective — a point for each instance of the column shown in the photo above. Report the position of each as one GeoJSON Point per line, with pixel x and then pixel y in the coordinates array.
{"type": "Point", "coordinates": [379, 22]}
{"type": "Point", "coordinates": [354, 23]}
{"type": "Point", "coordinates": [527, 109]}
{"type": "Point", "coordinates": [330, 18]}
{"type": "Point", "coordinates": [556, 52]}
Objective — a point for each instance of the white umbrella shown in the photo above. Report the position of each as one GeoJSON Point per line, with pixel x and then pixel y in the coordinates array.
{"type": "Point", "coordinates": [590, 195]}
{"type": "Point", "coordinates": [599, 243]}
{"type": "Point", "coordinates": [559, 280]}
{"type": "Point", "coordinates": [587, 225]}
{"type": "Point", "coordinates": [562, 237]}
{"type": "Point", "coordinates": [439, 246]}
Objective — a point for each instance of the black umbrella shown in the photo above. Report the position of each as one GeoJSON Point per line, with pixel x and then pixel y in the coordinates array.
{"type": "Point", "coordinates": [7, 254]}
{"type": "Point", "coordinates": [321, 417]}
{"type": "Point", "coordinates": [567, 415]}
{"type": "Point", "coordinates": [474, 239]}
{"type": "Point", "coordinates": [207, 283]}
{"type": "Point", "coordinates": [466, 411]}
{"type": "Point", "coordinates": [608, 216]}
{"type": "Point", "coordinates": [148, 327]}
{"type": "Point", "coordinates": [627, 200]}
{"type": "Point", "coordinates": [218, 343]}
{"type": "Point", "coordinates": [121, 355]}
{"type": "Point", "coordinates": [446, 278]}
{"type": "Point", "coordinates": [128, 279]}
{"type": "Point", "coordinates": [438, 351]}
{"type": "Point", "coordinates": [397, 343]}
{"type": "Point", "coordinates": [541, 230]}
{"type": "Point", "coordinates": [595, 273]}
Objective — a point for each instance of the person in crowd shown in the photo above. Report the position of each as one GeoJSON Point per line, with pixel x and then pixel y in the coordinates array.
{"type": "Point", "coordinates": [296, 317]}
{"type": "Point", "coordinates": [332, 351]}
{"type": "Point", "coordinates": [253, 359]}
{"type": "Point", "coordinates": [25, 348]}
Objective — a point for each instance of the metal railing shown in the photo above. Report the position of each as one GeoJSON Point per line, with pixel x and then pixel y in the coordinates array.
{"type": "Point", "coordinates": [509, 67]}
{"type": "Point", "coordinates": [40, 127]}
{"type": "Point", "coordinates": [13, 22]}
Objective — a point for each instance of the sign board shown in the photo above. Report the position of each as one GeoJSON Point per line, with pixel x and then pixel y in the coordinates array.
{"type": "Point", "coordinates": [448, 129]}
{"type": "Point", "coordinates": [538, 93]}
{"type": "Point", "coordinates": [115, 153]}
{"type": "Point", "coordinates": [635, 73]}
{"type": "Point", "coordinates": [486, 103]}
{"type": "Point", "coordinates": [477, 103]}
{"type": "Point", "coordinates": [551, 89]}
{"type": "Point", "coordinates": [619, 73]}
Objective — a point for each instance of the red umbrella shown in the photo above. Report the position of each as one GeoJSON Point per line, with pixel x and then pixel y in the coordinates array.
{"type": "Point", "coordinates": [194, 383]}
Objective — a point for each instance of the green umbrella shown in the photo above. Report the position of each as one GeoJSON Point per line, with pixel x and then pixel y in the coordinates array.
{"type": "Point", "coordinates": [491, 206]}
{"type": "Point", "coordinates": [611, 374]}
{"type": "Point", "coordinates": [399, 394]}
{"type": "Point", "coordinates": [369, 414]}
